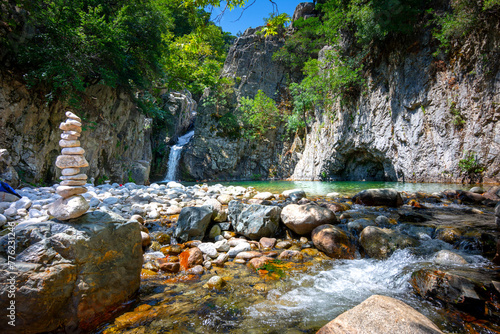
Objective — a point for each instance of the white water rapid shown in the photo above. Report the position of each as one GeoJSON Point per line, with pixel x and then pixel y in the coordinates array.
{"type": "Point", "coordinates": [175, 155]}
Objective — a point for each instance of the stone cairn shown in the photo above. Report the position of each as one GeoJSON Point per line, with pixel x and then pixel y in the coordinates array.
{"type": "Point", "coordinates": [72, 204]}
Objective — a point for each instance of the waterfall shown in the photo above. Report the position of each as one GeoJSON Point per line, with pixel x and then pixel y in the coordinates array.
{"type": "Point", "coordinates": [175, 155]}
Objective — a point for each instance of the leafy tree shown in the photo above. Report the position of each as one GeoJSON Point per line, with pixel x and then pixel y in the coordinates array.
{"type": "Point", "coordinates": [259, 114]}
{"type": "Point", "coordinates": [274, 24]}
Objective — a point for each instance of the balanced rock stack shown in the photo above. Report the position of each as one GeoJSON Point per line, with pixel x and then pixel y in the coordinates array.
{"type": "Point", "coordinates": [72, 204]}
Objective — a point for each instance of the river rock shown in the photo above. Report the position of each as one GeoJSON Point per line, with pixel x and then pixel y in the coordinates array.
{"type": "Point", "coordinates": [267, 243]}
{"type": "Point", "coordinates": [379, 197]}
{"type": "Point", "coordinates": [73, 150]}
{"type": "Point", "coordinates": [220, 214]}
{"type": "Point", "coordinates": [302, 219]}
{"type": "Point", "coordinates": [256, 221]}
{"type": "Point", "coordinates": [380, 243]}
{"type": "Point", "coordinates": [381, 315]}
{"type": "Point", "coordinates": [74, 177]}
{"type": "Point", "coordinates": [68, 208]}
{"type": "Point", "coordinates": [333, 241]}
{"type": "Point", "coordinates": [192, 223]}
{"type": "Point", "coordinates": [446, 257]}
{"type": "Point", "coordinates": [209, 249]}
{"type": "Point", "coordinates": [70, 171]}
{"type": "Point", "coordinates": [470, 290]}
{"type": "Point", "coordinates": [71, 161]}
{"type": "Point", "coordinates": [73, 183]}
{"type": "Point", "coordinates": [6, 197]}
{"type": "Point", "coordinates": [265, 196]}
{"type": "Point", "coordinates": [71, 115]}
{"type": "Point", "coordinates": [190, 258]}
{"type": "Point", "coordinates": [240, 247]}
{"type": "Point", "coordinates": [66, 126]}
{"type": "Point", "coordinates": [294, 194]}
{"type": "Point", "coordinates": [65, 191]}
{"type": "Point", "coordinates": [69, 143]}
{"type": "Point", "coordinates": [71, 276]}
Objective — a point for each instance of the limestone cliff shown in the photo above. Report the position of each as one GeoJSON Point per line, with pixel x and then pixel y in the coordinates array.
{"type": "Point", "coordinates": [414, 120]}
{"type": "Point", "coordinates": [212, 155]}
{"type": "Point", "coordinates": [417, 118]}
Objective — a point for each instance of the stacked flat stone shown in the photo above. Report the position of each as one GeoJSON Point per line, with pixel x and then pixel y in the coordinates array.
{"type": "Point", "coordinates": [72, 204]}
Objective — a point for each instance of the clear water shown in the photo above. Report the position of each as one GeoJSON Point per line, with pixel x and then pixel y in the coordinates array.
{"type": "Point", "coordinates": [321, 188]}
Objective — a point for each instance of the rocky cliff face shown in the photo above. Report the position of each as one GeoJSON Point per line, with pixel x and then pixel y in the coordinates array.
{"type": "Point", "coordinates": [417, 117]}
{"type": "Point", "coordinates": [211, 155]}
{"type": "Point", "coordinates": [416, 120]}
{"type": "Point", "coordinates": [115, 135]}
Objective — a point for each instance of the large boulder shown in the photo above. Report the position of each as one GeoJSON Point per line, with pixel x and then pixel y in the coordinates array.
{"type": "Point", "coordinates": [256, 221]}
{"type": "Point", "coordinates": [7, 172]}
{"type": "Point", "coordinates": [378, 197]}
{"type": "Point", "coordinates": [468, 290]}
{"type": "Point", "coordinates": [380, 243]}
{"type": "Point", "coordinates": [302, 219]}
{"type": "Point", "coordinates": [70, 276]}
{"type": "Point", "coordinates": [381, 315]}
{"type": "Point", "coordinates": [192, 223]}
{"type": "Point", "coordinates": [333, 241]}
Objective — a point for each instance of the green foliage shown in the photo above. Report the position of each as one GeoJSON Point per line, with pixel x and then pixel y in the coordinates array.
{"type": "Point", "coordinates": [464, 17]}
{"type": "Point", "coordinates": [304, 44]}
{"type": "Point", "coordinates": [458, 119]}
{"type": "Point", "coordinates": [274, 24]}
{"type": "Point", "coordinates": [469, 164]}
{"type": "Point", "coordinates": [259, 115]}
{"type": "Point", "coordinates": [83, 42]}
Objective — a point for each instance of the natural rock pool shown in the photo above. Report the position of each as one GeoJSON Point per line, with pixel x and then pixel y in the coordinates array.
{"type": "Point", "coordinates": [303, 294]}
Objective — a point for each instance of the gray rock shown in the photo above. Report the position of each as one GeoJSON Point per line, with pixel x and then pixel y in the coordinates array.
{"type": "Point", "coordinates": [380, 243]}
{"type": "Point", "coordinates": [79, 271]}
{"type": "Point", "coordinates": [497, 214]}
{"type": "Point", "coordinates": [241, 247]}
{"type": "Point", "coordinates": [3, 220]}
{"type": "Point", "coordinates": [477, 190]}
{"type": "Point", "coordinates": [68, 208]}
{"type": "Point", "coordinates": [234, 209]}
{"type": "Point", "coordinates": [302, 219]}
{"type": "Point", "coordinates": [256, 221]}
{"type": "Point", "coordinates": [192, 223]}
{"type": "Point", "coordinates": [381, 315]}
{"type": "Point", "coordinates": [446, 257]}
{"type": "Point", "coordinates": [378, 197]}
{"type": "Point", "coordinates": [222, 245]}
{"type": "Point", "coordinates": [294, 194]}
{"type": "Point", "coordinates": [209, 249]}
{"type": "Point", "coordinates": [110, 200]}
{"type": "Point", "coordinates": [7, 171]}
{"type": "Point", "coordinates": [23, 203]}
{"type": "Point", "coordinates": [359, 224]}
{"type": "Point", "coordinates": [9, 198]}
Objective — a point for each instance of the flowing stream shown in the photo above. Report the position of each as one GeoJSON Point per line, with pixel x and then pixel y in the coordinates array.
{"type": "Point", "coordinates": [175, 155]}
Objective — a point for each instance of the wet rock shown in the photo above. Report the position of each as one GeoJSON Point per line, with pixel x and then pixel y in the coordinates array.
{"type": "Point", "coordinates": [248, 255]}
{"type": "Point", "coordinates": [470, 197]}
{"type": "Point", "coordinates": [216, 282]}
{"type": "Point", "coordinates": [190, 257]}
{"type": "Point", "coordinates": [446, 257]}
{"type": "Point", "coordinates": [356, 226]}
{"type": "Point", "coordinates": [472, 292]}
{"type": "Point", "coordinates": [59, 274]}
{"type": "Point", "coordinates": [285, 244]}
{"type": "Point", "coordinates": [267, 243]}
{"type": "Point", "coordinates": [302, 219]}
{"type": "Point", "coordinates": [192, 223]}
{"type": "Point", "coordinates": [291, 255]}
{"type": "Point", "coordinates": [294, 194]}
{"type": "Point", "coordinates": [196, 270]}
{"type": "Point", "coordinates": [448, 234]}
{"type": "Point", "coordinates": [68, 208]}
{"type": "Point", "coordinates": [209, 249]}
{"type": "Point", "coordinates": [380, 243]}
{"type": "Point", "coordinates": [333, 242]}
{"type": "Point", "coordinates": [381, 315]}
{"type": "Point", "coordinates": [170, 267]}
{"type": "Point", "coordinates": [257, 221]}
{"type": "Point", "coordinates": [259, 262]}
{"type": "Point", "coordinates": [477, 190]}
{"type": "Point", "coordinates": [379, 197]}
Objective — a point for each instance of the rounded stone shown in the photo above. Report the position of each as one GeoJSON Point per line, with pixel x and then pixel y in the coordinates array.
{"type": "Point", "coordinates": [81, 177]}
{"type": "Point", "coordinates": [68, 137]}
{"type": "Point", "coordinates": [70, 171]}
{"type": "Point", "coordinates": [68, 208]}
{"type": "Point", "coordinates": [71, 161]}
{"type": "Point", "coordinates": [70, 127]}
{"type": "Point", "coordinates": [333, 241]}
{"type": "Point", "coordinates": [69, 143]}
{"type": "Point", "coordinates": [73, 150]}
{"type": "Point", "coordinates": [65, 191]}
{"type": "Point", "coordinates": [71, 133]}
{"type": "Point", "coordinates": [71, 115]}
{"type": "Point", "coordinates": [302, 219]}
{"type": "Point", "coordinates": [73, 183]}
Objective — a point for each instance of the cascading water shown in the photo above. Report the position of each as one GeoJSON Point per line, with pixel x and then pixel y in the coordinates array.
{"type": "Point", "coordinates": [175, 155]}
